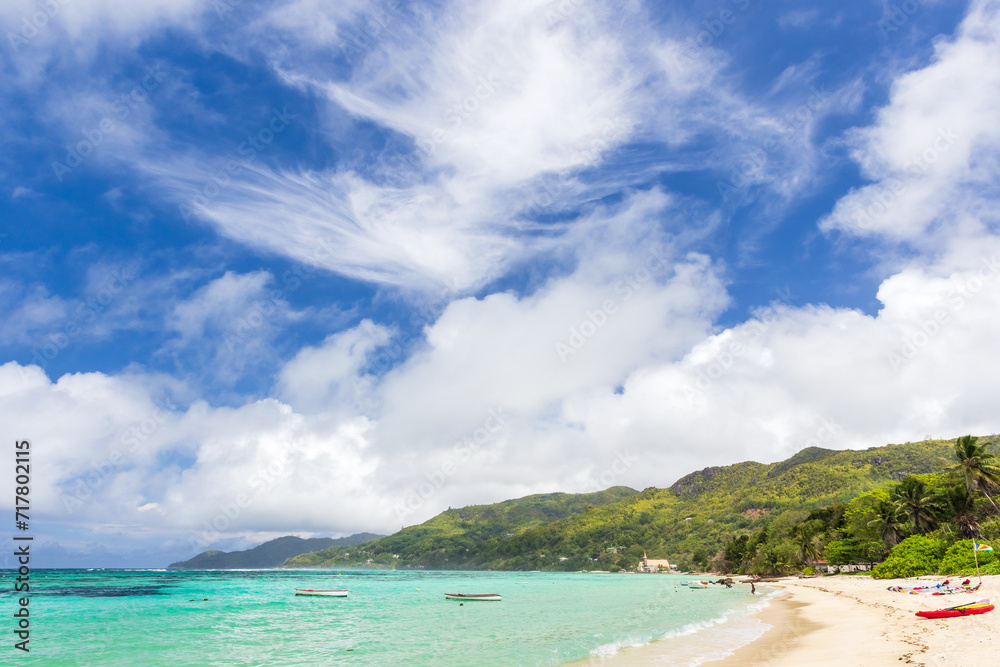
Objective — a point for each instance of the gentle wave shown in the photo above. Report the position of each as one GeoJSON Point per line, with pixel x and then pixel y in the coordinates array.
{"type": "Point", "coordinates": [742, 629]}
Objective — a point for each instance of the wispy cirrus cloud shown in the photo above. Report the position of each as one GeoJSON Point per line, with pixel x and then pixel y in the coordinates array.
{"type": "Point", "coordinates": [486, 110]}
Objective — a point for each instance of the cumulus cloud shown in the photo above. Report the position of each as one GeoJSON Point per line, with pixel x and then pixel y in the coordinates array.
{"type": "Point", "coordinates": [119, 454]}
{"type": "Point", "coordinates": [329, 377]}
{"type": "Point", "coordinates": [491, 397]}
{"type": "Point", "coordinates": [932, 154]}
{"type": "Point", "coordinates": [608, 368]}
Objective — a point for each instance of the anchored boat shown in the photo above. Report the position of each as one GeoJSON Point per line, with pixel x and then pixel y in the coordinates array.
{"type": "Point", "coordinates": [325, 594]}
{"type": "Point", "coordinates": [488, 597]}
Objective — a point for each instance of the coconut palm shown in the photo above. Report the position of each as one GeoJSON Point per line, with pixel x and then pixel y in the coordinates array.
{"type": "Point", "coordinates": [775, 562]}
{"type": "Point", "coordinates": [889, 523]}
{"type": "Point", "coordinates": [979, 469]}
{"type": "Point", "coordinates": [914, 500]}
{"type": "Point", "coordinates": [804, 537]}
{"type": "Point", "coordinates": [955, 503]}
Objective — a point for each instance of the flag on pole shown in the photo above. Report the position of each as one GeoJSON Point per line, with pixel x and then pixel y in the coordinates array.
{"type": "Point", "coordinates": [976, 546]}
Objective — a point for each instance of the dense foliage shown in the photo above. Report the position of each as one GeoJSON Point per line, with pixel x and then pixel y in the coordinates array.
{"type": "Point", "coordinates": [846, 506]}
{"type": "Point", "coordinates": [908, 524]}
{"type": "Point", "coordinates": [959, 559]}
{"type": "Point", "coordinates": [914, 556]}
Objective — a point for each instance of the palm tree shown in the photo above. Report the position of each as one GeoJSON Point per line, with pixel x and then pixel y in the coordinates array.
{"type": "Point", "coordinates": [979, 469]}
{"type": "Point", "coordinates": [889, 523]}
{"type": "Point", "coordinates": [804, 536]}
{"type": "Point", "coordinates": [913, 500]}
{"type": "Point", "coordinates": [957, 504]}
{"type": "Point", "coordinates": [774, 562]}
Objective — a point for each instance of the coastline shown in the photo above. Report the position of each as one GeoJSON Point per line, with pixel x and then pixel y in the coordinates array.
{"type": "Point", "coordinates": [844, 620]}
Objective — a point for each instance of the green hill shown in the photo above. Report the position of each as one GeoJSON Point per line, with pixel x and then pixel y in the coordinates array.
{"type": "Point", "coordinates": [688, 522]}
{"type": "Point", "coordinates": [269, 554]}
{"type": "Point", "coordinates": [446, 539]}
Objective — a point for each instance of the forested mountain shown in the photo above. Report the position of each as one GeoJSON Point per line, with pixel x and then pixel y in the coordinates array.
{"type": "Point", "coordinates": [269, 554]}
{"type": "Point", "coordinates": [456, 532]}
{"type": "Point", "coordinates": [689, 522]}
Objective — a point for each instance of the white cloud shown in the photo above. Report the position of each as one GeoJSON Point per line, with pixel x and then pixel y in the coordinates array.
{"type": "Point", "coordinates": [117, 456]}
{"type": "Point", "coordinates": [933, 153]}
{"type": "Point", "coordinates": [37, 25]}
{"type": "Point", "coordinates": [615, 358]}
{"type": "Point", "coordinates": [219, 304]}
{"type": "Point", "coordinates": [31, 313]}
{"type": "Point", "coordinates": [504, 106]}
{"type": "Point", "coordinates": [494, 97]}
{"type": "Point", "coordinates": [328, 378]}
{"type": "Point", "coordinates": [488, 410]}
{"type": "Point", "coordinates": [228, 327]}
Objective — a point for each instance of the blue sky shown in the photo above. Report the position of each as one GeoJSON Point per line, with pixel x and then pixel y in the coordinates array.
{"type": "Point", "coordinates": [344, 265]}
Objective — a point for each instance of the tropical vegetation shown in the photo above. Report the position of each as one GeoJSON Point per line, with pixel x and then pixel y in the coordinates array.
{"type": "Point", "coordinates": [841, 507]}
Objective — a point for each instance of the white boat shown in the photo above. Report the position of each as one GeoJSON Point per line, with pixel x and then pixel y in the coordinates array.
{"type": "Point", "coordinates": [697, 585]}
{"type": "Point", "coordinates": [490, 597]}
{"type": "Point", "coordinates": [325, 594]}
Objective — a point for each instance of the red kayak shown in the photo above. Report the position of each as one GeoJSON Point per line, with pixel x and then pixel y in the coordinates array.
{"type": "Point", "coordinates": [980, 607]}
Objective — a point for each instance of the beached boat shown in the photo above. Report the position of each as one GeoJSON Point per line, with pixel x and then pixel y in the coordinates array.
{"type": "Point", "coordinates": [325, 594]}
{"type": "Point", "coordinates": [485, 597]}
{"type": "Point", "coordinates": [979, 607]}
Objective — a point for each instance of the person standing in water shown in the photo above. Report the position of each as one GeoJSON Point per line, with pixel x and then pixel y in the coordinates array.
{"type": "Point", "coordinates": [753, 589]}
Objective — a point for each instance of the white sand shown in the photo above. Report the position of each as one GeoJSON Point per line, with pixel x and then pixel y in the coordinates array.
{"type": "Point", "coordinates": [851, 620]}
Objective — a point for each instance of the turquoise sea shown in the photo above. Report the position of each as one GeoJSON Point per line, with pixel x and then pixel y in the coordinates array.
{"type": "Point", "coordinates": [153, 618]}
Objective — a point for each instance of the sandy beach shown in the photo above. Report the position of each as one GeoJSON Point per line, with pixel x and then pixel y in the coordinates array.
{"type": "Point", "coordinates": [851, 620]}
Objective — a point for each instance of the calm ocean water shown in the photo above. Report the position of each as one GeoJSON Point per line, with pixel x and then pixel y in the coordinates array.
{"type": "Point", "coordinates": [153, 618]}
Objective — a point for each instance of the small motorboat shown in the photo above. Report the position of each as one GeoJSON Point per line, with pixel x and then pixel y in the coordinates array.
{"type": "Point", "coordinates": [325, 594]}
{"type": "Point", "coordinates": [970, 609]}
{"type": "Point", "coordinates": [697, 585]}
{"type": "Point", "coordinates": [485, 597]}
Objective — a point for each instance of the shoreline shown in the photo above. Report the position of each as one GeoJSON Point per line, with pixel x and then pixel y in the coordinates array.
{"type": "Point", "coordinates": [841, 620]}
